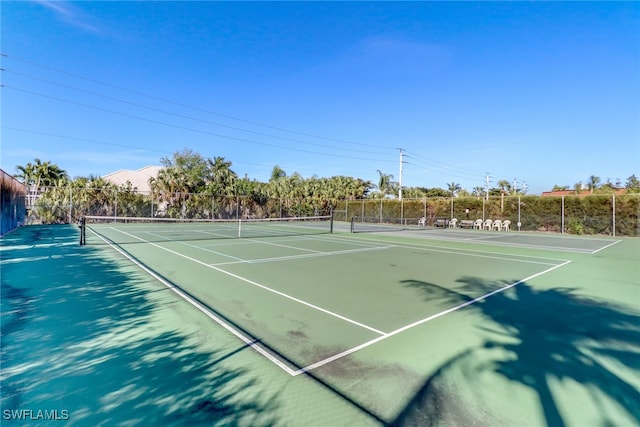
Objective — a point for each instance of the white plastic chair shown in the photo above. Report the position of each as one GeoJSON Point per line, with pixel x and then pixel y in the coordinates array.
{"type": "Point", "coordinates": [487, 224]}
{"type": "Point", "coordinates": [477, 224]}
{"type": "Point", "coordinates": [505, 225]}
{"type": "Point", "coordinates": [497, 225]}
{"type": "Point", "coordinates": [422, 221]}
{"type": "Point", "coordinates": [453, 222]}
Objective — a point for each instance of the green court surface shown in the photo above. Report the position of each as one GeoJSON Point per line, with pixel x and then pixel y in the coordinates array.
{"type": "Point", "coordinates": [433, 328]}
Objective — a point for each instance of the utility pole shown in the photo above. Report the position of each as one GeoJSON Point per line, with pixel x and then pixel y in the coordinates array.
{"type": "Point", "coordinates": [486, 186]}
{"type": "Point", "coordinates": [515, 186]}
{"type": "Point", "coordinates": [400, 180]}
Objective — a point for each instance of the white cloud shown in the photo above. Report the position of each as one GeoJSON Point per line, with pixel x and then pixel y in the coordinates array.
{"type": "Point", "coordinates": [70, 14]}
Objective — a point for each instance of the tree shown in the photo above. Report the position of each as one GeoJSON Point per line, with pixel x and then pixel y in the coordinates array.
{"type": "Point", "coordinates": [633, 184]}
{"type": "Point", "coordinates": [560, 187]}
{"type": "Point", "coordinates": [39, 174]}
{"type": "Point", "coordinates": [277, 173]}
{"type": "Point", "coordinates": [26, 174]}
{"type": "Point", "coordinates": [453, 188]}
{"type": "Point", "coordinates": [478, 191]}
{"type": "Point", "coordinates": [188, 167]}
{"type": "Point", "coordinates": [221, 179]}
{"type": "Point", "coordinates": [385, 183]}
{"type": "Point", "coordinates": [504, 186]}
{"type": "Point", "coordinates": [593, 183]}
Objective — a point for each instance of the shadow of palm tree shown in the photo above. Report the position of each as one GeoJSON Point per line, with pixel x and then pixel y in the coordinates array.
{"type": "Point", "coordinates": [82, 333]}
{"type": "Point", "coordinates": [541, 336]}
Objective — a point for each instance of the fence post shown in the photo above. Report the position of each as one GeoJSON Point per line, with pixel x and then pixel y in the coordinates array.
{"type": "Point", "coordinates": [613, 209]}
{"type": "Point", "coordinates": [519, 222]}
{"type": "Point", "coordinates": [70, 204]}
{"type": "Point", "coordinates": [483, 213]}
{"type": "Point", "coordinates": [562, 217]}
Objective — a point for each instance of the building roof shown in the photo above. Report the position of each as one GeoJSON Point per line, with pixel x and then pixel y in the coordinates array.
{"type": "Point", "coordinates": [138, 178]}
{"type": "Point", "coordinates": [582, 193]}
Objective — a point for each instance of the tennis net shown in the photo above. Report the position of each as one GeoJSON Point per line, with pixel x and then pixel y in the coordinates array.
{"type": "Point", "coordinates": [122, 230]}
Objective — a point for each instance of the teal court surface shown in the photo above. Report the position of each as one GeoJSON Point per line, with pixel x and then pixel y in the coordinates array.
{"type": "Point", "coordinates": [187, 324]}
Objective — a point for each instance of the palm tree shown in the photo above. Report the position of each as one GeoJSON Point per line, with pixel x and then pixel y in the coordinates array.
{"type": "Point", "coordinates": [504, 185]}
{"type": "Point", "coordinates": [26, 174]}
{"type": "Point", "coordinates": [40, 173]}
{"type": "Point", "coordinates": [453, 188]}
{"type": "Point", "coordinates": [593, 182]}
{"type": "Point", "coordinates": [478, 191]}
{"type": "Point", "coordinates": [222, 180]}
{"type": "Point", "coordinates": [385, 183]}
{"type": "Point", "coordinates": [169, 188]}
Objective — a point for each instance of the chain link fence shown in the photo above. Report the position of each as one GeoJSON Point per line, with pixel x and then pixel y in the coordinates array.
{"type": "Point", "coordinates": [605, 214]}
{"type": "Point", "coordinates": [68, 205]}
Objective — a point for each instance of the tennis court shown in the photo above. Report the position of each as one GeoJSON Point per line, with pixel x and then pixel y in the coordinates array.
{"type": "Point", "coordinates": [401, 328]}
{"type": "Point", "coordinates": [305, 301]}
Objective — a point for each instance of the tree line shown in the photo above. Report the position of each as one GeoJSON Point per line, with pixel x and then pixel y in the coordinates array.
{"type": "Point", "coordinates": [188, 172]}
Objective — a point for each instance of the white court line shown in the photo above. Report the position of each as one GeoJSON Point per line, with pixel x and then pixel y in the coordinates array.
{"type": "Point", "coordinates": [196, 247]}
{"type": "Point", "coordinates": [472, 253]}
{"type": "Point", "coordinates": [422, 321]}
{"type": "Point", "coordinates": [282, 246]}
{"type": "Point", "coordinates": [605, 247]}
{"type": "Point", "coordinates": [248, 341]}
{"type": "Point", "coordinates": [251, 282]}
{"type": "Point", "coordinates": [509, 244]}
{"type": "Point", "coordinates": [302, 256]}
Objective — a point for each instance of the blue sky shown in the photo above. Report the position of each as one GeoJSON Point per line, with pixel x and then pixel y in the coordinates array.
{"type": "Point", "coordinates": [542, 92]}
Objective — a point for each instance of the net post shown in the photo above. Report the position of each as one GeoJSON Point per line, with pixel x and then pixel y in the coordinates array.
{"type": "Point", "coordinates": [353, 219]}
{"type": "Point", "coordinates": [83, 232]}
{"type": "Point", "coordinates": [331, 223]}
{"type": "Point", "coordinates": [239, 227]}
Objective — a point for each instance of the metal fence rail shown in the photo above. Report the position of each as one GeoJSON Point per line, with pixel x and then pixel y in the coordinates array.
{"type": "Point", "coordinates": [606, 214]}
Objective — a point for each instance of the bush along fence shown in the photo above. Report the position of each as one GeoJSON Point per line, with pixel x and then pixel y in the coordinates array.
{"type": "Point", "coordinates": [605, 214]}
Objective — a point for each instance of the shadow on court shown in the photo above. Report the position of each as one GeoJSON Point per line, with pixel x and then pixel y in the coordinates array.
{"type": "Point", "coordinates": [540, 339]}
{"type": "Point", "coordinates": [80, 333]}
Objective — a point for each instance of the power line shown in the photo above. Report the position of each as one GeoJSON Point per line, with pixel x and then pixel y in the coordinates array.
{"type": "Point", "coordinates": [176, 126]}
{"type": "Point", "coordinates": [112, 98]}
{"type": "Point", "coordinates": [133, 147]}
{"type": "Point", "coordinates": [168, 101]}
{"type": "Point", "coordinates": [439, 164]}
